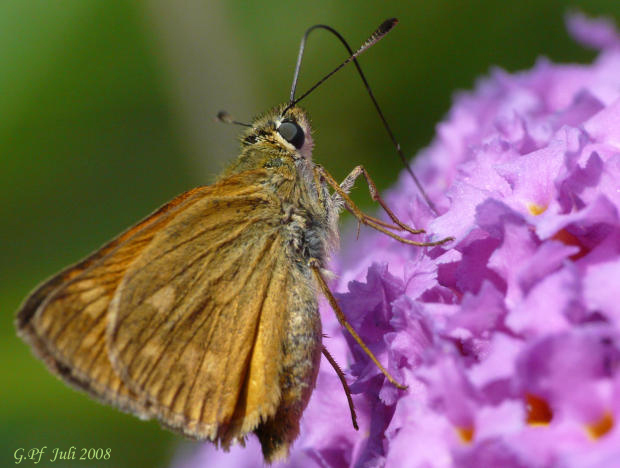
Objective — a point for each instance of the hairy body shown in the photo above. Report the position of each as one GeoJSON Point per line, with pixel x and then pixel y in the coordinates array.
{"type": "Point", "coordinates": [204, 315]}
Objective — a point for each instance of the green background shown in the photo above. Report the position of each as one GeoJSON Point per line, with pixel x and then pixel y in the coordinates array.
{"type": "Point", "coordinates": [106, 112]}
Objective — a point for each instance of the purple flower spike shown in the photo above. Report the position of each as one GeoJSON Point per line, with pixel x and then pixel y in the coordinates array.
{"type": "Point", "coordinates": [509, 337]}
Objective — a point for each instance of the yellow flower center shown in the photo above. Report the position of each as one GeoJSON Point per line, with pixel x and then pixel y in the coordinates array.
{"type": "Point", "coordinates": [536, 209]}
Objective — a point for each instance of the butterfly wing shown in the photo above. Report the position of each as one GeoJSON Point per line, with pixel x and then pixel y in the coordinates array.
{"type": "Point", "coordinates": [196, 323]}
{"type": "Point", "coordinates": [64, 319]}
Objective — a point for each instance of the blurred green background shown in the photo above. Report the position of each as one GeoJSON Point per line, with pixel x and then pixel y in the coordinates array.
{"type": "Point", "coordinates": [106, 112]}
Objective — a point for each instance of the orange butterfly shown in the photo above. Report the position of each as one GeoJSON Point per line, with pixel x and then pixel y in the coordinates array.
{"type": "Point", "coordinates": [204, 315]}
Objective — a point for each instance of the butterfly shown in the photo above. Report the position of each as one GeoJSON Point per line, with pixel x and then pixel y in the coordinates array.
{"type": "Point", "coordinates": [204, 315]}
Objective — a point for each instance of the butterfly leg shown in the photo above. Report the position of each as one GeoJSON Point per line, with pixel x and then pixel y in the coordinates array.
{"type": "Point", "coordinates": [347, 185]}
{"type": "Point", "coordinates": [315, 266]}
{"type": "Point", "coordinates": [341, 192]}
{"type": "Point", "coordinates": [345, 385]}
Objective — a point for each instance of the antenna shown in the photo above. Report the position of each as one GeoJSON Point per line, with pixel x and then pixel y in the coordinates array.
{"type": "Point", "coordinates": [375, 37]}
{"type": "Point", "coordinates": [225, 117]}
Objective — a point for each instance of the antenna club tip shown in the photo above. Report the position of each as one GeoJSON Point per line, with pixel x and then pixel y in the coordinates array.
{"type": "Point", "coordinates": [224, 116]}
{"type": "Point", "coordinates": [387, 25]}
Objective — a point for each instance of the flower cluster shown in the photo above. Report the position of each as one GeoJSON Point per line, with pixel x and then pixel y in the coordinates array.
{"type": "Point", "coordinates": [508, 338]}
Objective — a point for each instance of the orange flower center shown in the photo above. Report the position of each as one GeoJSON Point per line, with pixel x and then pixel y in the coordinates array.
{"type": "Point", "coordinates": [538, 411]}
{"type": "Point", "coordinates": [602, 426]}
{"type": "Point", "coordinates": [466, 434]}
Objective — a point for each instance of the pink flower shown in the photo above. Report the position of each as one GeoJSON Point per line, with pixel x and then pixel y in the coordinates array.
{"type": "Point", "coordinates": [508, 338]}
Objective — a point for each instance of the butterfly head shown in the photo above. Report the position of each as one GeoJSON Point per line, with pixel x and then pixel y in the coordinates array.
{"type": "Point", "coordinates": [280, 132]}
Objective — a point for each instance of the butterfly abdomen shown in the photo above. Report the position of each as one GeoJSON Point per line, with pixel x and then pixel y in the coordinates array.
{"type": "Point", "coordinates": [301, 351]}
{"type": "Point", "coordinates": [304, 231]}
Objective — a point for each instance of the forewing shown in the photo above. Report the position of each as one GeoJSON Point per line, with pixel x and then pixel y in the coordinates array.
{"type": "Point", "coordinates": [65, 319]}
{"type": "Point", "coordinates": [197, 322]}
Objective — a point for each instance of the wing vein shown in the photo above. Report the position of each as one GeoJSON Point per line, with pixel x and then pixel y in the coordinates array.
{"type": "Point", "coordinates": [72, 316]}
{"type": "Point", "coordinates": [185, 267]}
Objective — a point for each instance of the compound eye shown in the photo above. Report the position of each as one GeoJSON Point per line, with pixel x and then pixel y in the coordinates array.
{"type": "Point", "coordinates": [292, 133]}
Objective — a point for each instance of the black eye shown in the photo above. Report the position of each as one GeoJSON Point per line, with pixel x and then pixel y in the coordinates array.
{"type": "Point", "coordinates": [292, 133]}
